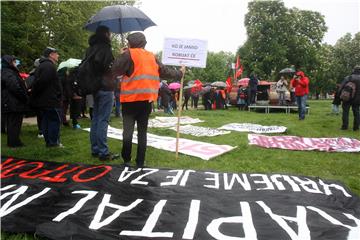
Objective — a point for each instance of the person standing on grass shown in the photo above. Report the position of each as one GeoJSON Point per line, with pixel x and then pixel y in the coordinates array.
{"type": "Point", "coordinates": [353, 103]}
{"type": "Point", "coordinates": [253, 83]}
{"type": "Point", "coordinates": [141, 73]}
{"type": "Point", "coordinates": [281, 88]}
{"type": "Point", "coordinates": [14, 100]}
{"type": "Point", "coordinates": [100, 62]}
{"type": "Point", "coordinates": [46, 95]}
{"type": "Point", "coordinates": [301, 85]}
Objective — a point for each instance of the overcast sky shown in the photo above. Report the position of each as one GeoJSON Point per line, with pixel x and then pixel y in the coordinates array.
{"type": "Point", "coordinates": [221, 22]}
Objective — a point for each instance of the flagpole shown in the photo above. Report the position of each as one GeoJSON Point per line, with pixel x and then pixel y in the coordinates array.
{"type": "Point", "coordinates": [179, 115]}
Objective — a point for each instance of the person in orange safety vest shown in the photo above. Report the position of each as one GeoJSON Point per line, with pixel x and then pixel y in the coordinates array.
{"type": "Point", "coordinates": [141, 73]}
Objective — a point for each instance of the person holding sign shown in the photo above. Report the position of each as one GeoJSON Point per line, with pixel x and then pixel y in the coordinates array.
{"type": "Point", "coordinates": [141, 73]}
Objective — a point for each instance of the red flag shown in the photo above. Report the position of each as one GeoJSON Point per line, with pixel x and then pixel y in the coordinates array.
{"type": "Point", "coordinates": [239, 71]}
{"type": "Point", "coordinates": [228, 84]}
{"type": "Point", "coordinates": [238, 67]}
{"type": "Point", "coordinates": [237, 64]}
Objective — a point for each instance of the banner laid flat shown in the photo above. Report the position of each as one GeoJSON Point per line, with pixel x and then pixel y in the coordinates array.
{"type": "Point", "coordinates": [64, 201]}
{"type": "Point", "coordinates": [306, 144]}
{"type": "Point", "coordinates": [255, 128]}
{"type": "Point", "coordinates": [198, 131]}
{"type": "Point", "coordinates": [198, 149]}
{"type": "Point", "coordinates": [166, 122]}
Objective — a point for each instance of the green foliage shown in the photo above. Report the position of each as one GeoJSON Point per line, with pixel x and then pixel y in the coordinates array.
{"type": "Point", "coordinates": [217, 68]}
{"type": "Point", "coordinates": [346, 55]}
{"type": "Point", "coordinates": [28, 27]}
{"type": "Point", "coordinates": [279, 37]}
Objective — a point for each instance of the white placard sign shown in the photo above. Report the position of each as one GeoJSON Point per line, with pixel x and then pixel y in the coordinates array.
{"type": "Point", "coordinates": [188, 52]}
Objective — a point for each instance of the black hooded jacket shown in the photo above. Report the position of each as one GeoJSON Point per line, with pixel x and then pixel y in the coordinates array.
{"type": "Point", "coordinates": [46, 90]}
{"type": "Point", "coordinates": [101, 60]}
{"type": "Point", "coordinates": [13, 90]}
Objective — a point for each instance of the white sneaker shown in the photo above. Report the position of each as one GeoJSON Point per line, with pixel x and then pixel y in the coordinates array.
{"type": "Point", "coordinates": [40, 136]}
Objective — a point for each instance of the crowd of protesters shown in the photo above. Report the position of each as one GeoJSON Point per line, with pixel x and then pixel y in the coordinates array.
{"type": "Point", "coordinates": [50, 93]}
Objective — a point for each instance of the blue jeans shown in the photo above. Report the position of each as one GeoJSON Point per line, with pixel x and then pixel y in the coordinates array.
{"type": "Point", "coordinates": [301, 102]}
{"type": "Point", "coordinates": [50, 125]}
{"type": "Point", "coordinates": [103, 102]}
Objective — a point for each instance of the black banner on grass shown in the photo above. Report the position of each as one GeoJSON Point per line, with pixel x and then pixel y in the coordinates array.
{"type": "Point", "coordinates": [76, 201]}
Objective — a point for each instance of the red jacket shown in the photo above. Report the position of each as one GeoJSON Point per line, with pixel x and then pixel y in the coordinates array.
{"type": "Point", "coordinates": [302, 85]}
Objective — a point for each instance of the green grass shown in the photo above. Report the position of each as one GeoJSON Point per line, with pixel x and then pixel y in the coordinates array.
{"type": "Point", "coordinates": [343, 167]}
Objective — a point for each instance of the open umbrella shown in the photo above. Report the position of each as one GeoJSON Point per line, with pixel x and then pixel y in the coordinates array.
{"type": "Point", "coordinates": [243, 82]}
{"type": "Point", "coordinates": [218, 84]}
{"type": "Point", "coordinates": [120, 19]}
{"type": "Point", "coordinates": [287, 70]}
{"type": "Point", "coordinates": [174, 85]}
{"type": "Point", "coordinates": [70, 63]}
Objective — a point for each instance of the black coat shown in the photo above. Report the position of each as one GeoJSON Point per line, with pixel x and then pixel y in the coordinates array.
{"type": "Point", "coordinates": [14, 96]}
{"type": "Point", "coordinates": [355, 78]}
{"type": "Point", "coordinates": [101, 61]}
{"type": "Point", "coordinates": [46, 90]}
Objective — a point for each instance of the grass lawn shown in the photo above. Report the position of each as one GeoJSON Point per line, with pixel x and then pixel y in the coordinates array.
{"type": "Point", "coordinates": [344, 167]}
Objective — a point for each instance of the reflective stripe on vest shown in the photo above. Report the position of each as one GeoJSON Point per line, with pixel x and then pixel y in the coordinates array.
{"type": "Point", "coordinates": [144, 82]}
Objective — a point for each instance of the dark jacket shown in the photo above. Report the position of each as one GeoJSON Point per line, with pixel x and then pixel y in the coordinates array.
{"type": "Point", "coordinates": [101, 60]}
{"type": "Point", "coordinates": [253, 83]}
{"type": "Point", "coordinates": [355, 78]}
{"type": "Point", "coordinates": [13, 90]}
{"type": "Point", "coordinates": [46, 90]}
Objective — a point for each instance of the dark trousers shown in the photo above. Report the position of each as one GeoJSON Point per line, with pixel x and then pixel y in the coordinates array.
{"type": "Point", "coordinates": [75, 109]}
{"type": "Point", "coordinates": [251, 97]}
{"type": "Point", "coordinates": [38, 121]}
{"type": "Point", "coordinates": [132, 112]}
{"type": "Point", "coordinates": [345, 115]}
{"type": "Point", "coordinates": [13, 127]}
{"type": "Point", "coordinates": [50, 125]}
{"type": "Point", "coordinates": [185, 103]}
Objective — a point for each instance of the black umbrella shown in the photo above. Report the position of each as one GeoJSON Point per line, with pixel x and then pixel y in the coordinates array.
{"type": "Point", "coordinates": [120, 19]}
{"type": "Point", "coordinates": [287, 70]}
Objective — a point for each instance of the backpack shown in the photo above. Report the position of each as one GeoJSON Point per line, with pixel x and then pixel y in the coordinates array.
{"type": "Point", "coordinates": [348, 91]}
{"type": "Point", "coordinates": [87, 82]}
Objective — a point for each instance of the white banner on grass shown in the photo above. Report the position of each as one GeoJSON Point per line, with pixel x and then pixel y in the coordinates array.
{"type": "Point", "coordinates": [255, 128]}
{"type": "Point", "coordinates": [306, 144]}
{"type": "Point", "coordinates": [198, 149]}
{"type": "Point", "coordinates": [200, 131]}
{"type": "Point", "coordinates": [166, 122]}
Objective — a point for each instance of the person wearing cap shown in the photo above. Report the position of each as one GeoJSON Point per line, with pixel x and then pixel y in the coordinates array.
{"type": "Point", "coordinates": [139, 88]}
{"type": "Point", "coordinates": [353, 103]}
{"type": "Point", "coordinates": [301, 85]}
{"type": "Point", "coordinates": [101, 60]}
{"type": "Point", "coordinates": [46, 97]}
{"type": "Point", "coordinates": [13, 100]}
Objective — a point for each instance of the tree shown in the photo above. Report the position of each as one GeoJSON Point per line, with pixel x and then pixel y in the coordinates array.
{"type": "Point", "coordinates": [217, 68]}
{"type": "Point", "coordinates": [28, 27]}
{"type": "Point", "coordinates": [279, 37]}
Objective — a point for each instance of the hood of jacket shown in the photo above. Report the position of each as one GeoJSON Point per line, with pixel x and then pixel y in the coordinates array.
{"type": "Point", "coordinates": [6, 62]}
{"type": "Point", "coordinates": [98, 39]}
{"type": "Point", "coordinates": [300, 73]}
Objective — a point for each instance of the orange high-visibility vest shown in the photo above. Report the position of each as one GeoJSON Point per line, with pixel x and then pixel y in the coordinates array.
{"type": "Point", "coordinates": [144, 82]}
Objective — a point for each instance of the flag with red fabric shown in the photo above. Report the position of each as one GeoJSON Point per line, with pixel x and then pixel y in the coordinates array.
{"type": "Point", "coordinates": [238, 67]}
{"type": "Point", "coordinates": [228, 84]}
